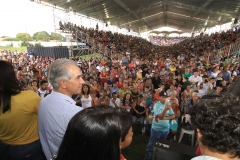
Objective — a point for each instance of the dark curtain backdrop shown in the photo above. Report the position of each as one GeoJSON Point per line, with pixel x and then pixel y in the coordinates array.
{"type": "Point", "coordinates": [56, 52]}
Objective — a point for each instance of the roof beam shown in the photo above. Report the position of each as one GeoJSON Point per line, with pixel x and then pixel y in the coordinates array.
{"type": "Point", "coordinates": [196, 13]}
{"type": "Point", "coordinates": [119, 2]}
{"type": "Point", "coordinates": [84, 4]}
{"type": "Point", "coordinates": [72, 4]}
{"type": "Point", "coordinates": [165, 12]}
{"type": "Point", "coordinates": [185, 6]}
{"type": "Point", "coordinates": [188, 17]}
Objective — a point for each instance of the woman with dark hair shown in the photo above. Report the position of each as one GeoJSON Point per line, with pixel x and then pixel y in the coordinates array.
{"type": "Point", "coordinates": [92, 134]}
{"type": "Point", "coordinates": [217, 122]}
{"type": "Point", "coordinates": [126, 103]}
{"type": "Point", "coordinates": [139, 112]}
{"type": "Point", "coordinates": [19, 137]}
{"type": "Point", "coordinates": [85, 98]}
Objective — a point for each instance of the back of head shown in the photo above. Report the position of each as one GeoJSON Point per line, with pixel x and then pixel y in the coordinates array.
{"type": "Point", "coordinates": [59, 70]}
{"type": "Point", "coordinates": [93, 133]}
{"type": "Point", "coordinates": [218, 121]}
{"type": "Point", "coordinates": [9, 85]}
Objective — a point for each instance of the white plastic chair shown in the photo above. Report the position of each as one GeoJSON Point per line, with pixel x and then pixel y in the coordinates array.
{"type": "Point", "coordinates": [184, 131]}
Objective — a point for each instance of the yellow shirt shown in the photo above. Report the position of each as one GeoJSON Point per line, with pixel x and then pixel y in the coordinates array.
{"type": "Point", "coordinates": [19, 125]}
{"type": "Point", "coordinates": [139, 75]}
{"type": "Point", "coordinates": [173, 69]}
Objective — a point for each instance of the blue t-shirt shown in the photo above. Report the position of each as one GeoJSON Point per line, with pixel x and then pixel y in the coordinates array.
{"type": "Point", "coordinates": [161, 125]}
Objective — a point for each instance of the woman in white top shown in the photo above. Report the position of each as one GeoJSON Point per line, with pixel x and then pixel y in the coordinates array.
{"type": "Point", "coordinates": [86, 99]}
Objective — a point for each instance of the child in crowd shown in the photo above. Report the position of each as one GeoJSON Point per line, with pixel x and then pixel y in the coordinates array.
{"type": "Point", "coordinates": [126, 131]}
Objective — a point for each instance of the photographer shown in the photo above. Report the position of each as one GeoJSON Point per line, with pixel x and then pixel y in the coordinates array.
{"type": "Point", "coordinates": [160, 125]}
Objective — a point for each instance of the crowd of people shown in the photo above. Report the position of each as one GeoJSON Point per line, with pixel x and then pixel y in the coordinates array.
{"type": "Point", "coordinates": [153, 85]}
{"type": "Point", "coordinates": [165, 41]}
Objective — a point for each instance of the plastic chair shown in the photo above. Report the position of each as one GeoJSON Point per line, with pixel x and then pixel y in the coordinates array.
{"type": "Point", "coordinates": [185, 131]}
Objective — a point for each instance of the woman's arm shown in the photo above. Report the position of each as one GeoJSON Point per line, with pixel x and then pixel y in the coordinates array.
{"type": "Point", "coordinates": [143, 111]}
{"type": "Point", "coordinates": [177, 115]}
{"type": "Point", "coordinates": [134, 107]}
{"type": "Point", "coordinates": [121, 106]}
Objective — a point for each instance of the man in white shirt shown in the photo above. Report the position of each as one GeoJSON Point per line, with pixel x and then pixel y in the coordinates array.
{"type": "Point", "coordinates": [42, 91]}
{"type": "Point", "coordinates": [57, 109]}
{"type": "Point", "coordinates": [195, 79]}
{"type": "Point", "coordinates": [100, 67]}
{"type": "Point", "coordinates": [114, 101]}
{"type": "Point", "coordinates": [79, 62]}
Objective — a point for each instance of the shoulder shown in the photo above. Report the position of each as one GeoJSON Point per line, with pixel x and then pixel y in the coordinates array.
{"type": "Point", "coordinates": [29, 94]}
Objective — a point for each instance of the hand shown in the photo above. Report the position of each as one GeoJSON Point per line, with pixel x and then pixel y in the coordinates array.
{"type": "Point", "coordinates": [128, 108]}
{"type": "Point", "coordinates": [150, 118]}
{"type": "Point", "coordinates": [168, 107]}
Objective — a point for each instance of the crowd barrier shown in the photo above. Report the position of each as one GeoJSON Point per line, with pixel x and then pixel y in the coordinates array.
{"type": "Point", "coordinates": [80, 36]}
{"type": "Point", "coordinates": [228, 51]}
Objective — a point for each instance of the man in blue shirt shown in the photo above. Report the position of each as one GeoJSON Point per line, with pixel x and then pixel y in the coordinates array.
{"type": "Point", "coordinates": [226, 74]}
{"type": "Point", "coordinates": [56, 110]}
{"type": "Point", "coordinates": [160, 124]}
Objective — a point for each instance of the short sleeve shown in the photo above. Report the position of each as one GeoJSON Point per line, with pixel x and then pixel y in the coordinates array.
{"type": "Point", "coordinates": [35, 100]}
{"type": "Point", "coordinates": [170, 112]}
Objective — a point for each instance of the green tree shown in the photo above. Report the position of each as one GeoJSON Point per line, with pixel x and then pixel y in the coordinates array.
{"type": "Point", "coordinates": [42, 35]}
{"type": "Point", "coordinates": [56, 36]}
{"type": "Point", "coordinates": [24, 37]}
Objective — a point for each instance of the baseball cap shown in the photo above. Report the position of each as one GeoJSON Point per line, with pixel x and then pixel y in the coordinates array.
{"type": "Point", "coordinates": [163, 94]}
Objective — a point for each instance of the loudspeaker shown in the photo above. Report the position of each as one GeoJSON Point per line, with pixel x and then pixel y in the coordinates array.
{"type": "Point", "coordinates": [166, 150]}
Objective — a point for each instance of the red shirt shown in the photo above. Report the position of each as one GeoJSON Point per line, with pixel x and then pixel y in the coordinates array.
{"type": "Point", "coordinates": [122, 157]}
{"type": "Point", "coordinates": [104, 77]}
{"type": "Point", "coordinates": [156, 96]}
{"type": "Point", "coordinates": [115, 75]}
{"type": "Point", "coordinates": [132, 65]}
{"type": "Point", "coordinates": [120, 85]}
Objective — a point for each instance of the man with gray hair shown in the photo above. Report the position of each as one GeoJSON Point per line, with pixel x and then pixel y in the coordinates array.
{"type": "Point", "coordinates": [56, 110]}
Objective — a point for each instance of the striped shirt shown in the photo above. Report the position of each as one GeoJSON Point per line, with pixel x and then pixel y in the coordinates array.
{"type": "Point", "coordinates": [54, 113]}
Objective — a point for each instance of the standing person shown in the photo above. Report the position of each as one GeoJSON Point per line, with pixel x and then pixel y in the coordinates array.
{"type": "Point", "coordinates": [86, 99]}
{"type": "Point", "coordinates": [126, 103]}
{"type": "Point", "coordinates": [92, 134]}
{"type": "Point", "coordinates": [19, 137]}
{"type": "Point", "coordinates": [160, 125]}
{"type": "Point", "coordinates": [42, 90]}
{"type": "Point", "coordinates": [217, 123]}
{"type": "Point", "coordinates": [174, 122]}
{"type": "Point", "coordinates": [56, 110]}
{"type": "Point", "coordinates": [139, 112]}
